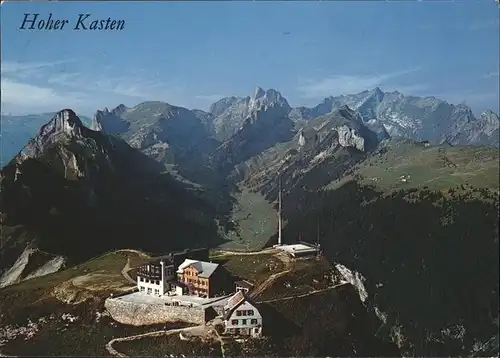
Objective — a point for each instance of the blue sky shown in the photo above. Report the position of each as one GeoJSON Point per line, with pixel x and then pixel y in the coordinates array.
{"type": "Point", "coordinates": [193, 53]}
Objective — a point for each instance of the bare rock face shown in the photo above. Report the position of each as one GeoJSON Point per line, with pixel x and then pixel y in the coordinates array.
{"type": "Point", "coordinates": [64, 124]}
{"type": "Point", "coordinates": [302, 139]}
{"type": "Point", "coordinates": [232, 113]}
{"type": "Point", "coordinates": [71, 145]}
{"type": "Point", "coordinates": [349, 137]}
{"type": "Point", "coordinates": [95, 125]}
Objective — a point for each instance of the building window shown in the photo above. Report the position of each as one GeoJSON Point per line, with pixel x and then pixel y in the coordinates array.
{"type": "Point", "coordinates": [150, 290]}
{"type": "Point", "coordinates": [234, 322]}
{"type": "Point", "coordinates": [253, 321]}
{"type": "Point", "coordinates": [142, 279]}
{"type": "Point", "coordinates": [157, 282]}
{"type": "Point", "coordinates": [243, 321]}
{"type": "Point", "coordinates": [250, 312]}
{"type": "Point", "coordinates": [142, 288]}
{"type": "Point", "coordinates": [157, 291]}
{"type": "Point", "coordinates": [238, 313]}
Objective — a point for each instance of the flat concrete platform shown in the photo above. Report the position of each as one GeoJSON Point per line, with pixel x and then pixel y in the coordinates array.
{"type": "Point", "coordinates": [184, 300]}
{"type": "Point", "coordinates": [297, 249]}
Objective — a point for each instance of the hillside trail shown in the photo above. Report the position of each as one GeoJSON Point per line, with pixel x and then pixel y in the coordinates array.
{"type": "Point", "coordinates": [140, 253]}
{"type": "Point", "coordinates": [115, 353]}
{"type": "Point", "coordinates": [270, 280]}
{"type": "Point", "coordinates": [125, 271]}
{"type": "Point", "coordinates": [222, 350]}
{"type": "Point", "coordinates": [244, 253]}
{"type": "Point", "coordinates": [304, 294]}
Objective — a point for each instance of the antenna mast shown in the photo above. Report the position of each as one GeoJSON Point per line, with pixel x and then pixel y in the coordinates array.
{"type": "Point", "coordinates": [279, 211]}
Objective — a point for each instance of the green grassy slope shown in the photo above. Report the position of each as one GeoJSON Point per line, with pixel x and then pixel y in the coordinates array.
{"type": "Point", "coordinates": [401, 164]}
{"type": "Point", "coordinates": [255, 222]}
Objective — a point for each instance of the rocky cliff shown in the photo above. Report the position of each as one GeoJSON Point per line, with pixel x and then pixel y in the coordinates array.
{"type": "Point", "coordinates": [231, 113]}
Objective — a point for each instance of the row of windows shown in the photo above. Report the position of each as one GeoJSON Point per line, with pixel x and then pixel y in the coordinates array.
{"type": "Point", "coordinates": [194, 281]}
{"type": "Point", "coordinates": [150, 268]}
{"type": "Point", "coordinates": [156, 282]}
{"type": "Point", "coordinates": [244, 313]}
{"type": "Point", "coordinates": [150, 291]}
{"type": "Point", "coordinates": [235, 322]}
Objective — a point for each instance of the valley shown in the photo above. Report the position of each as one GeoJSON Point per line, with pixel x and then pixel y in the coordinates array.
{"type": "Point", "coordinates": [255, 221]}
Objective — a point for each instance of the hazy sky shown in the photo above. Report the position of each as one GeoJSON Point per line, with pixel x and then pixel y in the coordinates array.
{"type": "Point", "coordinates": [191, 54]}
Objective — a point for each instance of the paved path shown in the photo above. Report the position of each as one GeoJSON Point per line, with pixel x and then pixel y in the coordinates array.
{"type": "Point", "coordinates": [114, 352]}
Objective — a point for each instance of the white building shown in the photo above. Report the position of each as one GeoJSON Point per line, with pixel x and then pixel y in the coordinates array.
{"type": "Point", "coordinates": [299, 250]}
{"type": "Point", "coordinates": [241, 317]}
{"type": "Point", "coordinates": [156, 278]}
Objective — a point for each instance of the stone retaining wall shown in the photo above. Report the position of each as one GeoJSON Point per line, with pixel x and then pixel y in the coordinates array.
{"type": "Point", "coordinates": [140, 314]}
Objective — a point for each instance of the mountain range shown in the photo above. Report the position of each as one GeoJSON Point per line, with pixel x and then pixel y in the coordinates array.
{"type": "Point", "coordinates": [416, 118]}
{"type": "Point", "coordinates": [360, 172]}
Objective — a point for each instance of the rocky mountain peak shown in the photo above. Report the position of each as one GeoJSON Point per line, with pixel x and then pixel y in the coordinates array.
{"type": "Point", "coordinates": [264, 99]}
{"type": "Point", "coordinates": [347, 112]}
{"type": "Point", "coordinates": [490, 116]}
{"type": "Point", "coordinates": [95, 125]}
{"type": "Point", "coordinates": [259, 92]}
{"type": "Point", "coordinates": [64, 124]}
{"type": "Point", "coordinates": [119, 110]}
{"type": "Point", "coordinates": [222, 105]}
{"type": "Point", "coordinates": [463, 111]}
{"type": "Point", "coordinates": [378, 93]}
